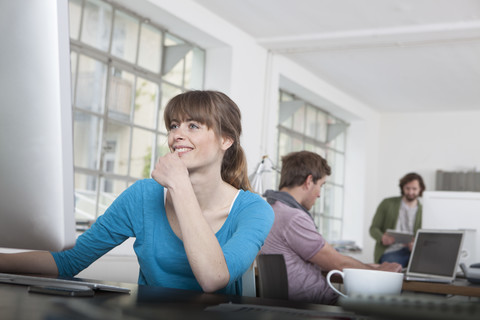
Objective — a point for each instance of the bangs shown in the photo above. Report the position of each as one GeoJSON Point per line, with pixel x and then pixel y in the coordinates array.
{"type": "Point", "coordinates": [194, 106]}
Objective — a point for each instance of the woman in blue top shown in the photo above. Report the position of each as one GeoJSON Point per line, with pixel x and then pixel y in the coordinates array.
{"type": "Point", "coordinates": [202, 234]}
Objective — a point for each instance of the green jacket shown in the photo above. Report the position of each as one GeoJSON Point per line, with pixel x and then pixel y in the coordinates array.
{"type": "Point", "coordinates": [385, 218]}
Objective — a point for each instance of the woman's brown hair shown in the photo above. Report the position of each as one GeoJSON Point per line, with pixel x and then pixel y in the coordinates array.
{"type": "Point", "coordinates": [218, 112]}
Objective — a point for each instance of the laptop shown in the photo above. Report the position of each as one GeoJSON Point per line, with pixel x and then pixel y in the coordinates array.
{"type": "Point", "coordinates": [435, 255]}
{"type": "Point", "coordinates": [58, 283]}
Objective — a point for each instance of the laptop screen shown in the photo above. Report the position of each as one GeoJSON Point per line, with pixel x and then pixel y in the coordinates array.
{"type": "Point", "coordinates": [436, 252]}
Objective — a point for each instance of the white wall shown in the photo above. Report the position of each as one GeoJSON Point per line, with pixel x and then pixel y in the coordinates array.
{"type": "Point", "coordinates": [422, 142]}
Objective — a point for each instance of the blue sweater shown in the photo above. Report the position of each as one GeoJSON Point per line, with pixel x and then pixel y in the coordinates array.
{"type": "Point", "coordinates": [140, 212]}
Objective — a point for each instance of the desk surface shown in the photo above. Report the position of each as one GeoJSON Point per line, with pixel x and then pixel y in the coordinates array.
{"type": "Point", "coordinates": [146, 302]}
{"type": "Point", "coordinates": [459, 287]}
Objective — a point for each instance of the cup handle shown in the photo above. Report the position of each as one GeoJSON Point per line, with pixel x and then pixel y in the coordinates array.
{"type": "Point", "coordinates": [332, 272]}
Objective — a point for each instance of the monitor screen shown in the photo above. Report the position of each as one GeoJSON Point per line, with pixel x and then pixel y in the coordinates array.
{"type": "Point", "coordinates": [36, 151]}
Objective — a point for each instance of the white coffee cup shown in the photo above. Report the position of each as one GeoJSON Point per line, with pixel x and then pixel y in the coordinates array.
{"type": "Point", "coordinates": [363, 281]}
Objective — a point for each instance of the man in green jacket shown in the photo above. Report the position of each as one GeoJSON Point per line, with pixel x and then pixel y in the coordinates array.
{"type": "Point", "coordinates": [402, 214]}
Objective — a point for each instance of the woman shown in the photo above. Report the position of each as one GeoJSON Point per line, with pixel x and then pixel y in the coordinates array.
{"type": "Point", "coordinates": [202, 234]}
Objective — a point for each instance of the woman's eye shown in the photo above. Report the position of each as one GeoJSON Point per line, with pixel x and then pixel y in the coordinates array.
{"type": "Point", "coordinates": [173, 126]}
{"type": "Point", "coordinates": [194, 126]}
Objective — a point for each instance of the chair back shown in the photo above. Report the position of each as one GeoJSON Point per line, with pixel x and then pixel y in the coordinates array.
{"type": "Point", "coordinates": [272, 276]}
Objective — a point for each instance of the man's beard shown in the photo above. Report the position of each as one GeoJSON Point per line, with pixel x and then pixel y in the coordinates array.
{"type": "Point", "coordinates": [411, 198]}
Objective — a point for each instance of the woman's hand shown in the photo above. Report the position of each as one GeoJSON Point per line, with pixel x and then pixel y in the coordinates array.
{"type": "Point", "coordinates": [170, 170]}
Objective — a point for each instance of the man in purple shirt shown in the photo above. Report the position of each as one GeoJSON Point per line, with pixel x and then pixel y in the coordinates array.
{"type": "Point", "coordinates": [295, 236]}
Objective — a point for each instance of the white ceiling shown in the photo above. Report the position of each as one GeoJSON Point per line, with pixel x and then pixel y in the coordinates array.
{"type": "Point", "coordinates": [393, 55]}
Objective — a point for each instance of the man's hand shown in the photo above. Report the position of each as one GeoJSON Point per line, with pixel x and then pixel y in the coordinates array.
{"type": "Point", "coordinates": [410, 245]}
{"type": "Point", "coordinates": [387, 240]}
{"type": "Point", "coordinates": [390, 266]}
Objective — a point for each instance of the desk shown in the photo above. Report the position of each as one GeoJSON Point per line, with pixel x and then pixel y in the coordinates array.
{"type": "Point", "coordinates": [144, 302]}
{"type": "Point", "coordinates": [459, 287]}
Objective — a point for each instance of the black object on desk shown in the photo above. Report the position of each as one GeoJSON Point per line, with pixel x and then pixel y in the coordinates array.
{"type": "Point", "coordinates": [62, 291]}
{"type": "Point", "coordinates": [408, 306]}
{"type": "Point", "coordinates": [148, 302]}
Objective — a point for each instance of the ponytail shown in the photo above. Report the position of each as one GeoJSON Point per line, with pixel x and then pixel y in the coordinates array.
{"type": "Point", "coordinates": [234, 167]}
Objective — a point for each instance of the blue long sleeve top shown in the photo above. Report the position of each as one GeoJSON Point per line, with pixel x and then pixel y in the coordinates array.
{"type": "Point", "coordinates": [140, 212]}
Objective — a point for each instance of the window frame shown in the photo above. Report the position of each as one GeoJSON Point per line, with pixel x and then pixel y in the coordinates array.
{"type": "Point", "coordinates": [322, 217]}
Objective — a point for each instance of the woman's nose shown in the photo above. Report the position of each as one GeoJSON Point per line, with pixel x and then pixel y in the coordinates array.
{"type": "Point", "coordinates": [179, 133]}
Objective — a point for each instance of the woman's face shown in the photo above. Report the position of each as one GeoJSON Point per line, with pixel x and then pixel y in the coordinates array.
{"type": "Point", "coordinates": [196, 144]}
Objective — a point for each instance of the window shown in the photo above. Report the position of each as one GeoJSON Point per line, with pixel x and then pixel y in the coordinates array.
{"type": "Point", "coordinates": [303, 126]}
{"type": "Point", "coordinates": [124, 71]}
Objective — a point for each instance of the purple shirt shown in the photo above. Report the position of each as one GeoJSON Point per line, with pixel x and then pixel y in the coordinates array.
{"type": "Point", "coordinates": [295, 236]}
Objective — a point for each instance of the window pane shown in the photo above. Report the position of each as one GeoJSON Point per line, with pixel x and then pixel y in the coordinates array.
{"type": "Point", "coordinates": [120, 95]}
{"type": "Point", "coordinates": [142, 142]}
{"type": "Point", "coordinates": [337, 163]}
{"type": "Point", "coordinates": [287, 123]}
{"type": "Point", "coordinates": [162, 146]}
{"type": "Point", "coordinates": [85, 197]}
{"type": "Point", "coordinates": [297, 144]}
{"type": "Point", "coordinates": [174, 62]}
{"type": "Point", "coordinates": [86, 132]}
{"type": "Point", "coordinates": [96, 26]}
{"type": "Point", "coordinates": [74, 16]}
{"type": "Point", "coordinates": [92, 78]}
{"type": "Point", "coordinates": [339, 142]}
{"type": "Point", "coordinates": [337, 134]}
{"type": "Point", "coordinates": [309, 147]}
{"type": "Point", "coordinates": [125, 35]}
{"type": "Point", "coordinates": [146, 98]}
{"type": "Point", "coordinates": [168, 92]}
{"type": "Point", "coordinates": [321, 151]}
{"type": "Point", "coordinates": [317, 209]}
{"type": "Point", "coordinates": [284, 145]}
{"type": "Point", "coordinates": [109, 190]}
{"type": "Point", "coordinates": [194, 69]}
{"type": "Point", "coordinates": [333, 200]}
{"type": "Point", "coordinates": [150, 53]}
{"type": "Point", "coordinates": [331, 229]}
{"type": "Point", "coordinates": [116, 148]}
{"type": "Point", "coordinates": [322, 126]}
{"type": "Point", "coordinates": [311, 123]}
{"type": "Point", "coordinates": [299, 120]}
{"type": "Point", "coordinates": [284, 96]}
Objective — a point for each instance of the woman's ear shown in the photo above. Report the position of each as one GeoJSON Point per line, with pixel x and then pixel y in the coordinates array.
{"type": "Point", "coordinates": [226, 142]}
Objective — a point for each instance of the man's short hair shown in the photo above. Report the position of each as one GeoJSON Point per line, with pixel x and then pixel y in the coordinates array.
{"type": "Point", "coordinates": [409, 177]}
{"type": "Point", "coordinates": [297, 166]}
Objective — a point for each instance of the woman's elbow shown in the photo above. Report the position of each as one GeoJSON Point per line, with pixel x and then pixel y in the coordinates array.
{"type": "Point", "coordinates": [215, 283]}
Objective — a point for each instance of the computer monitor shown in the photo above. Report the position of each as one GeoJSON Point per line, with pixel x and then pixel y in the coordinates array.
{"type": "Point", "coordinates": [36, 138]}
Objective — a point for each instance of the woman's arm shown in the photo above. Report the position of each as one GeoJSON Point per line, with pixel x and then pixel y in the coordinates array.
{"type": "Point", "coordinates": [201, 246]}
{"type": "Point", "coordinates": [37, 262]}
